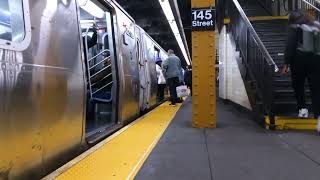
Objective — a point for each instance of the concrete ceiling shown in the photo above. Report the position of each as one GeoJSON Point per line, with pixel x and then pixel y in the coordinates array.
{"type": "Point", "coordinates": [149, 15]}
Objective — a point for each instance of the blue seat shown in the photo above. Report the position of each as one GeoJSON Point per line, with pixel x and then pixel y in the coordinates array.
{"type": "Point", "coordinates": [102, 97]}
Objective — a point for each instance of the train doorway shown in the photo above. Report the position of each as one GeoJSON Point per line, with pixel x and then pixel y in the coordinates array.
{"type": "Point", "coordinates": [98, 49]}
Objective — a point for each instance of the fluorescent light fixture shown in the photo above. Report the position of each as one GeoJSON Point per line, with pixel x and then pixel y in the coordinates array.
{"type": "Point", "coordinates": [6, 13]}
{"type": "Point", "coordinates": [92, 8]}
{"type": "Point", "coordinates": [174, 27]}
{"type": "Point", "coordinates": [86, 23]}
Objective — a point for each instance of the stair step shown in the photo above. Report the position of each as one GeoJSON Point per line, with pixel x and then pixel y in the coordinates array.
{"type": "Point", "coordinates": [289, 102]}
{"type": "Point", "coordinates": [288, 91]}
{"type": "Point", "coordinates": [292, 123]}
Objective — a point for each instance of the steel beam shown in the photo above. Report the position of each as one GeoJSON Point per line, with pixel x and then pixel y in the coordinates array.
{"type": "Point", "coordinates": [203, 67]}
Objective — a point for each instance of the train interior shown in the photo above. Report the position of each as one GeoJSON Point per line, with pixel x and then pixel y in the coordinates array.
{"type": "Point", "coordinates": [97, 44]}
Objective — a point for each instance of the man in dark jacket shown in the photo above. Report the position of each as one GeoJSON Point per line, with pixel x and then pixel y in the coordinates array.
{"type": "Point", "coordinates": [171, 71]}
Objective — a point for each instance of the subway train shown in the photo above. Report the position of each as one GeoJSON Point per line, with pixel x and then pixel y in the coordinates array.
{"type": "Point", "coordinates": [72, 72]}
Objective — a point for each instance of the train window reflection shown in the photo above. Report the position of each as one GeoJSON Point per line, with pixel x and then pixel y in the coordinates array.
{"type": "Point", "coordinates": [12, 26]}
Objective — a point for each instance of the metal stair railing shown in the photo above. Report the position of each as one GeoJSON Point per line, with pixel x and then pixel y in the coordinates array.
{"type": "Point", "coordinates": [255, 55]}
{"type": "Point", "coordinates": [260, 65]}
{"type": "Point", "coordinates": [311, 7]}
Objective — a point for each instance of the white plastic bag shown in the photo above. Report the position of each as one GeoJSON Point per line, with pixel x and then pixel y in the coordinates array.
{"type": "Point", "coordinates": [182, 91]}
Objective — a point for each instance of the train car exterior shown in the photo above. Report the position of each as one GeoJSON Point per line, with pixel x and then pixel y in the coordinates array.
{"type": "Point", "coordinates": [150, 53]}
{"type": "Point", "coordinates": [57, 91]}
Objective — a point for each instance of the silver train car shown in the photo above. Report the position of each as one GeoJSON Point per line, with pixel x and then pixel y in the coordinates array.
{"type": "Point", "coordinates": [72, 72]}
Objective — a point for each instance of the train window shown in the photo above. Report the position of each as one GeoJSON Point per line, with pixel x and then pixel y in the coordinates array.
{"type": "Point", "coordinates": [156, 53]}
{"type": "Point", "coordinates": [11, 20]}
{"type": "Point", "coordinates": [15, 28]}
{"type": "Point", "coordinates": [138, 51]}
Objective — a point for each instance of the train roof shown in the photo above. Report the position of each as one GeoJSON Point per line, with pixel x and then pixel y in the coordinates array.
{"type": "Point", "coordinates": [151, 39]}
{"type": "Point", "coordinates": [126, 13]}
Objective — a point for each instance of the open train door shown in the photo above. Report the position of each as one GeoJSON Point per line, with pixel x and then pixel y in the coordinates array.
{"type": "Point", "coordinates": [143, 100]}
{"type": "Point", "coordinates": [101, 70]}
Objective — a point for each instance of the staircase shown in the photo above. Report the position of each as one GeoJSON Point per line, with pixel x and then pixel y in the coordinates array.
{"type": "Point", "coordinates": [273, 34]}
{"type": "Point", "coordinates": [261, 44]}
{"type": "Point", "coordinates": [253, 8]}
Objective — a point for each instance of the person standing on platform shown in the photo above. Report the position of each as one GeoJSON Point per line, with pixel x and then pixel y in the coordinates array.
{"type": "Point", "coordinates": [304, 64]}
{"type": "Point", "coordinates": [161, 80]}
{"type": "Point", "coordinates": [181, 77]}
{"type": "Point", "coordinates": [188, 78]}
{"type": "Point", "coordinates": [171, 70]}
{"type": "Point", "coordinates": [181, 83]}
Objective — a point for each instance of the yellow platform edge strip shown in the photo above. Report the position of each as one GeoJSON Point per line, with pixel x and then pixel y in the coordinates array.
{"type": "Point", "coordinates": [285, 123]}
{"type": "Point", "coordinates": [260, 18]}
{"type": "Point", "coordinates": [121, 155]}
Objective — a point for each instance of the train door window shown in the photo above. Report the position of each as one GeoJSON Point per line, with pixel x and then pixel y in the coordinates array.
{"type": "Point", "coordinates": [14, 20]}
{"type": "Point", "coordinates": [139, 53]}
{"type": "Point", "coordinates": [156, 54]}
{"type": "Point", "coordinates": [97, 36]}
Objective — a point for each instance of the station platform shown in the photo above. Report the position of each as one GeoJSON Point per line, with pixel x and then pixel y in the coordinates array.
{"type": "Point", "coordinates": [162, 146]}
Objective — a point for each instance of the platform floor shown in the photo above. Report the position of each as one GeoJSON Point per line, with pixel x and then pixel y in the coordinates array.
{"type": "Point", "coordinates": [238, 149]}
{"type": "Point", "coordinates": [163, 146]}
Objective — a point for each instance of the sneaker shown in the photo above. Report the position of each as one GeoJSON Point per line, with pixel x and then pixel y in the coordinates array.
{"type": "Point", "coordinates": [173, 105]}
{"type": "Point", "coordinates": [303, 113]}
{"type": "Point", "coordinates": [318, 126]}
{"type": "Point", "coordinates": [180, 100]}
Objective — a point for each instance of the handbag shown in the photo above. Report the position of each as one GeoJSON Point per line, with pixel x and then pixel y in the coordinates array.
{"type": "Point", "coordinates": [182, 91]}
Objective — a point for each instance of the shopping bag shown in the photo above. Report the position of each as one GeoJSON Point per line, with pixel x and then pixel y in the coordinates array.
{"type": "Point", "coordinates": [182, 91]}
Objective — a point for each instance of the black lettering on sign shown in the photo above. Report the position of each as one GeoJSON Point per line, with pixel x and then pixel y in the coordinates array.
{"type": "Point", "coordinates": [203, 19]}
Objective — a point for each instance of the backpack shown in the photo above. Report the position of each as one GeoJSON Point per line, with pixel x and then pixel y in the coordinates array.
{"type": "Point", "coordinates": [310, 39]}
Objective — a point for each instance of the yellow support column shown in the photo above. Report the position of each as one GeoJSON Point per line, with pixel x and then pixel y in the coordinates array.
{"type": "Point", "coordinates": [203, 64]}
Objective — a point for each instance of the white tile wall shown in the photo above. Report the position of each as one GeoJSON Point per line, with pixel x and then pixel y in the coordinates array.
{"type": "Point", "coordinates": [231, 85]}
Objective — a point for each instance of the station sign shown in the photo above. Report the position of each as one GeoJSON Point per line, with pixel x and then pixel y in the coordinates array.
{"type": "Point", "coordinates": [203, 19]}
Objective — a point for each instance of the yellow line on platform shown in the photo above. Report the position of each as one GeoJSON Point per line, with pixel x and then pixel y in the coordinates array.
{"type": "Point", "coordinates": [287, 123]}
{"type": "Point", "coordinates": [121, 155]}
{"type": "Point", "coordinates": [226, 20]}
{"type": "Point", "coordinates": [260, 18]}
{"type": "Point", "coordinates": [267, 18]}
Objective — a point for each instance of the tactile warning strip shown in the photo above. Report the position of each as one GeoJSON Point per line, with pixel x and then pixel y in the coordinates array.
{"type": "Point", "coordinates": [121, 155]}
{"type": "Point", "coordinates": [288, 123]}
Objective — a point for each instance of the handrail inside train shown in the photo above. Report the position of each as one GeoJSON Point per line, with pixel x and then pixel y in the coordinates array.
{"type": "Point", "coordinates": [106, 50]}
{"type": "Point", "coordinates": [107, 59]}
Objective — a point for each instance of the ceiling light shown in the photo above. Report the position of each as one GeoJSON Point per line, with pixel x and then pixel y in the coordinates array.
{"type": "Point", "coordinates": [92, 8]}
{"type": "Point", "coordinates": [165, 5]}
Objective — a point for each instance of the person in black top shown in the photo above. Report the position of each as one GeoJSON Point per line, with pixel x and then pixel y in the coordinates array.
{"type": "Point", "coordinates": [92, 41]}
{"type": "Point", "coordinates": [188, 78]}
{"type": "Point", "coordinates": [303, 64]}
